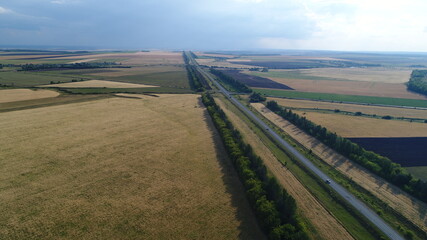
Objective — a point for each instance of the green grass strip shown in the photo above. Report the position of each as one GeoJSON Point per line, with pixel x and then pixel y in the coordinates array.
{"type": "Point", "coordinates": [344, 98]}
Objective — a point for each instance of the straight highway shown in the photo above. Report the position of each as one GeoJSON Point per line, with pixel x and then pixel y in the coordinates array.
{"type": "Point", "coordinates": [350, 198]}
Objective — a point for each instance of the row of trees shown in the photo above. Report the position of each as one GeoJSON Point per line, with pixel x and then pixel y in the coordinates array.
{"type": "Point", "coordinates": [48, 66]}
{"type": "Point", "coordinates": [230, 81]}
{"type": "Point", "coordinates": [256, 97]}
{"type": "Point", "coordinates": [197, 81]}
{"type": "Point", "coordinates": [274, 208]}
{"type": "Point", "coordinates": [418, 81]}
{"type": "Point", "coordinates": [377, 164]}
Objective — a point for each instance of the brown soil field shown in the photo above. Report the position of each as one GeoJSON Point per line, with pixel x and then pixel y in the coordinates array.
{"type": "Point", "coordinates": [98, 84]}
{"type": "Point", "coordinates": [381, 111]}
{"type": "Point", "coordinates": [326, 225]}
{"type": "Point", "coordinates": [14, 95]}
{"type": "Point", "coordinates": [358, 127]}
{"type": "Point", "coordinates": [387, 75]}
{"type": "Point", "coordinates": [411, 208]}
{"type": "Point", "coordinates": [378, 89]}
{"type": "Point", "coordinates": [119, 168]}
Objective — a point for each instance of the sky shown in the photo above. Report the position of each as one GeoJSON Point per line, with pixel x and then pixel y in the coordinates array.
{"type": "Point", "coordinates": [345, 25]}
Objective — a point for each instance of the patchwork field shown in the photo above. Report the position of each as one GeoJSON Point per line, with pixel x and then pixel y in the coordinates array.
{"type": "Point", "coordinates": [411, 208]}
{"type": "Point", "coordinates": [98, 84]}
{"type": "Point", "coordinates": [118, 168]}
{"type": "Point", "coordinates": [156, 68]}
{"type": "Point", "coordinates": [14, 95]}
{"type": "Point", "coordinates": [381, 111]}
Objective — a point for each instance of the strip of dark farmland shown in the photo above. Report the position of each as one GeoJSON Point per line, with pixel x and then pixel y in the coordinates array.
{"type": "Point", "coordinates": [255, 81]}
{"type": "Point", "coordinates": [408, 152]}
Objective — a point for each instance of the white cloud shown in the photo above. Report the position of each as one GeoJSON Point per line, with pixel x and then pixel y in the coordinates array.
{"type": "Point", "coordinates": [361, 25]}
{"type": "Point", "coordinates": [4, 10]}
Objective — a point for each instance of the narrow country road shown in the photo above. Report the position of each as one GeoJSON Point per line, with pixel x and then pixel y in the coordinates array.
{"type": "Point", "coordinates": [357, 204]}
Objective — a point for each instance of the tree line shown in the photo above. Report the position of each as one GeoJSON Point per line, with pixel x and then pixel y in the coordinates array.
{"type": "Point", "coordinates": [84, 65]}
{"type": "Point", "coordinates": [418, 81]}
{"type": "Point", "coordinates": [196, 80]}
{"type": "Point", "coordinates": [274, 208]}
{"type": "Point", "coordinates": [376, 163]}
{"type": "Point", "coordinates": [230, 81]}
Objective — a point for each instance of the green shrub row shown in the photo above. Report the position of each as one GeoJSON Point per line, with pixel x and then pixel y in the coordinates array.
{"type": "Point", "coordinates": [274, 208]}
{"type": "Point", "coordinates": [376, 163]}
{"type": "Point", "coordinates": [418, 81]}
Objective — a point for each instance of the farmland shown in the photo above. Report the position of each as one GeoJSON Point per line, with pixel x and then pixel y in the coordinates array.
{"type": "Point", "coordinates": [121, 170]}
{"type": "Point", "coordinates": [344, 98]}
{"type": "Point", "coordinates": [14, 95]}
{"type": "Point", "coordinates": [408, 151]}
{"type": "Point", "coordinates": [354, 126]}
{"type": "Point", "coordinates": [351, 108]}
{"type": "Point", "coordinates": [97, 84]}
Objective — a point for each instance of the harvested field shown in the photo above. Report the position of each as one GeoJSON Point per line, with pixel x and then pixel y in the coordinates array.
{"type": "Point", "coordinates": [98, 84]}
{"type": "Point", "coordinates": [136, 58]}
{"type": "Point", "coordinates": [377, 74]}
{"type": "Point", "coordinates": [377, 89]}
{"type": "Point", "coordinates": [14, 95]}
{"type": "Point", "coordinates": [381, 111]}
{"type": "Point", "coordinates": [408, 152]}
{"type": "Point", "coordinates": [120, 72]}
{"type": "Point", "coordinates": [255, 81]}
{"type": "Point", "coordinates": [358, 127]}
{"type": "Point", "coordinates": [119, 168]}
{"type": "Point", "coordinates": [411, 208]}
{"type": "Point", "coordinates": [326, 225]}
{"type": "Point", "coordinates": [83, 61]}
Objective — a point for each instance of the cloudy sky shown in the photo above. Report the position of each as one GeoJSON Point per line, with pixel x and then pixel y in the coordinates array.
{"type": "Point", "coordinates": [353, 25]}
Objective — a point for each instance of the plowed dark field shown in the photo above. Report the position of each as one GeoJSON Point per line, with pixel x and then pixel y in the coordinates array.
{"type": "Point", "coordinates": [255, 81]}
{"type": "Point", "coordinates": [408, 152]}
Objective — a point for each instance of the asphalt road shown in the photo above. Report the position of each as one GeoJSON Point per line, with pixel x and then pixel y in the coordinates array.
{"type": "Point", "coordinates": [357, 204]}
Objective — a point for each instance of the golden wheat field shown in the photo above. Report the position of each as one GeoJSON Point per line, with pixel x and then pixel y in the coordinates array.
{"type": "Point", "coordinates": [15, 95]}
{"type": "Point", "coordinates": [119, 168]}
{"type": "Point", "coordinates": [373, 74]}
{"type": "Point", "coordinates": [352, 126]}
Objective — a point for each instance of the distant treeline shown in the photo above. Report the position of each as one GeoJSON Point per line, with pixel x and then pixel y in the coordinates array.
{"type": "Point", "coordinates": [418, 81]}
{"type": "Point", "coordinates": [274, 208]}
{"type": "Point", "coordinates": [84, 65]}
{"type": "Point", "coordinates": [377, 164]}
{"type": "Point", "coordinates": [230, 81]}
{"type": "Point", "coordinates": [306, 64]}
{"type": "Point", "coordinates": [196, 80]}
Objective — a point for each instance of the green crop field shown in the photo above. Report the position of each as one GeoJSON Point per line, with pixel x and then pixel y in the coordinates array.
{"type": "Point", "coordinates": [344, 98]}
{"type": "Point", "coordinates": [31, 79]}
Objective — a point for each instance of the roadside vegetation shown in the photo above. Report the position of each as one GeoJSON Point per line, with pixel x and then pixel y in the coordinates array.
{"type": "Point", "coordinates": [379, 165]}
{"type": "Point", "coordinates": [274, 207]}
